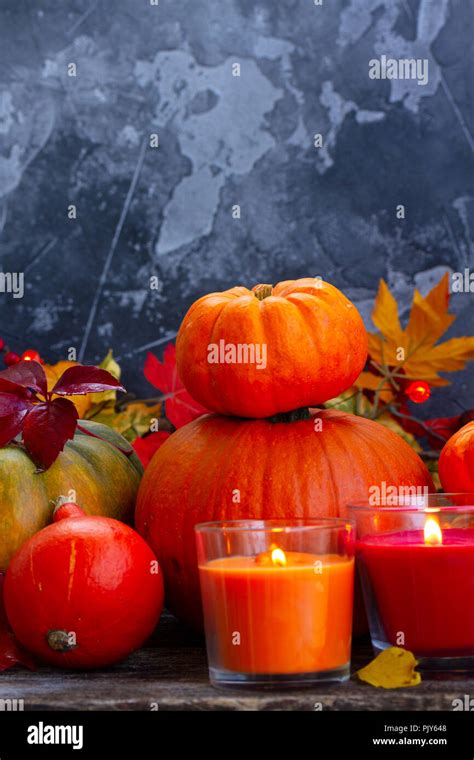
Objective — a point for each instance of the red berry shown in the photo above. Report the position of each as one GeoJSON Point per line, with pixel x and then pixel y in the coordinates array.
{"type": "Point", "coordinates": [418, 391]}
{"type": "Point", "coordinates": [2, 344]}
{"type": "Point", "coordinates": [30, 355]}
{"type": "Point", "coordinates": [11, 358]}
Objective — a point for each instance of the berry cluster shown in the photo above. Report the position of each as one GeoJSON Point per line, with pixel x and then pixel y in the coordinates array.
{"type": "Point", "coordinates": [11, 357]}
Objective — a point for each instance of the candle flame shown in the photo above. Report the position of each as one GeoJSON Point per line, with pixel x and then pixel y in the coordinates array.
{"type": "Point", "coordinates": [278, 557]}
{"type": "Point", "coordinates": [433, 534]}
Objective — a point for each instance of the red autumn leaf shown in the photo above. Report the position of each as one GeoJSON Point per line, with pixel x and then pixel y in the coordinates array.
{"type": "Point", "coordinates": [10, 428]}
{"type": "Point", "coordinates": [437, 430]}
{"type": "Point", "coordinates": [12, 413]}
{"type": "Point", "coordinates": [146, 447]}
{"type": "Point", "coordinates": [11, 653]}
{"type": "Point", "coordinates": [46, 424]}
{"type": "Point", "coordinates": [85, 379]}
{"type": "Point", "coordinates": [180, 407]}
{"type": "Point", "coordinates": [47, 428]}
{"type": "Point", "coordinates": [7, 386]}
{"type": "Point", "coordinates": [10, 404]}
{"type": "Point", "coordinates": [24, 375]}
{"type": "Point", "coordinates": [443, 428]}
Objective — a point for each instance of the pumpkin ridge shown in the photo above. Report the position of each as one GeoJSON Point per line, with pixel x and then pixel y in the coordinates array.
{"type": "Point", "coordinates": [281, 470]}
{"type": "Point", "coordinates": [316, 348]}
{"type": "Point", "coordinates": [332, 480]}
{"type": "Point", "coordinates": [227, 312]}
{"type": "Point", "coordinates": [377, 452]}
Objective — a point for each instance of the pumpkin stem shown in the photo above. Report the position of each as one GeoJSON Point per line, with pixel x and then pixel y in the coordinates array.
{"type": "Point", "coordinates": [65, 507]}
{"type": "Point", "coordinates": [262, 291]}
{"type": "Point", "coordinates": [294, 416]}
{"type": "Point", "coordinates": [60, 641]}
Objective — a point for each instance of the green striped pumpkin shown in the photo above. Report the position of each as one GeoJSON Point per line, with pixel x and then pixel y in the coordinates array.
{"type": "Point", "coordinates": [105, 482]}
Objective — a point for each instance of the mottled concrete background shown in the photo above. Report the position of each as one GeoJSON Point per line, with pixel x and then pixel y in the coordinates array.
{"type": "Point", "coordinates": [166, 69]}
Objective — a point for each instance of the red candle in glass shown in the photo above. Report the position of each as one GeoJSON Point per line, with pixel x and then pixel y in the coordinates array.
{"type": "Point", "coordinates": [423, 584]}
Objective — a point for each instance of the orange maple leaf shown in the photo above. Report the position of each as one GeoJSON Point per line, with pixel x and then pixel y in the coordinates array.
{"type": "Point", "coordinates": [416, 348]}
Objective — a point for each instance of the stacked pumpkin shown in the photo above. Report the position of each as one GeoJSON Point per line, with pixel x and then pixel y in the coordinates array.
{"type": "Point", "coordinates": [267, 453]}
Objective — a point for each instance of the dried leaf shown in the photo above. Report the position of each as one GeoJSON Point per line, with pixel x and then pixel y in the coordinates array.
{"type": "Point", "coordinates": [377, 384]}
{"type": "Point", "coordinates": [394, 668]}
{"type": "Point", "coordinates": [385, 313]}
{"type": "Point", "coordinates": [131, 422]}
{"type": "Point", "coordinates": [415, 349]}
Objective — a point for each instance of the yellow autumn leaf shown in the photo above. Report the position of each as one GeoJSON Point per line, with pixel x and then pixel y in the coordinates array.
{"type": "Point", "coordinates": [385, 313]}
{"type": "Point", "coordinates": [429, 318]}
{"type": "Point", "coordinates": [369, 381]}
{"type": "Point", "coordinates": [132, 422]}
{"type": "Point", "coordinates": [394, 668]}
{"type": "Point", "coordinates": [416, 349]}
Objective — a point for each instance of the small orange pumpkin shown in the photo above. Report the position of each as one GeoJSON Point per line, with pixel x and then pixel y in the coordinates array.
{"type": "Point", "coordinates": [456, 463]}
{"type": "Point", "coordinates": [260, 352]}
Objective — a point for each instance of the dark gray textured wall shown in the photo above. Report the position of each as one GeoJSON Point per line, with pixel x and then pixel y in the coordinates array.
{"type": "Point", "coordinates": [224, 140]}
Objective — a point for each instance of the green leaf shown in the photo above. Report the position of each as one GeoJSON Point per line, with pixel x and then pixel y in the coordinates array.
{"type": "Point", "coordinates": [113, 367]}
{"type": "Point", "coordinates": [352, 401]}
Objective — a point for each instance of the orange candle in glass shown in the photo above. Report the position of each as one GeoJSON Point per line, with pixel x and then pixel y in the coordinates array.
{"type": "Point", "coordinates": [283, 614]}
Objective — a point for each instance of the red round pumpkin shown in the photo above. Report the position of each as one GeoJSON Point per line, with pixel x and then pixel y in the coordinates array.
{"type": "Point", "coordinates": [83, 592]}
{"type": "Point", "coordinates": [221, 468]}
{"type": "Point", "coordinates": [256, 353]}
{"type": "Point", "coordinates": [456, 462]}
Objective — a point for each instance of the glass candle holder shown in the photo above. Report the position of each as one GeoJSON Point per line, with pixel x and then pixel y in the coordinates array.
{"type": "Point", "coordinates": [277, 599]}
{"type": "Point", "coordinates": [416, 564]}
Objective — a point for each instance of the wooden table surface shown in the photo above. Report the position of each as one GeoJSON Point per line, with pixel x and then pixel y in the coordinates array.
{"type": "Point", "coordinates": [170, 673]}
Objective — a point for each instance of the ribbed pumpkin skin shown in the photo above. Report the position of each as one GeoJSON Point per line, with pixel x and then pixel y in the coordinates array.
{"type": "Point", "coordinates": [315, 340]}
{"type": "Point", "coordinates": [456, 463]}
{"type": "Point", "coordinates": [282, 470]}
{"type": "Point", "coordinates": [104, 479]}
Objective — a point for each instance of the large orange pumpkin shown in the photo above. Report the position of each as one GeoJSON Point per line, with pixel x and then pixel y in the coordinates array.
{"type": "Point", "coordinates": [255, 353]}
{"type": "Point", "coordinates": [221, 468]}
{"type": "Point", "coordinates": [456, 463]}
